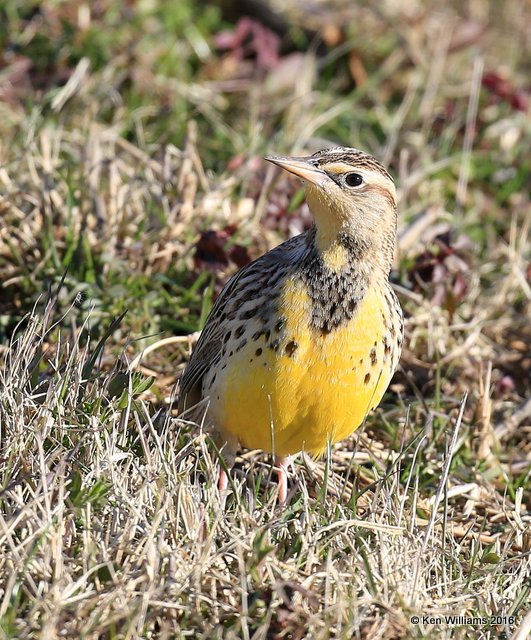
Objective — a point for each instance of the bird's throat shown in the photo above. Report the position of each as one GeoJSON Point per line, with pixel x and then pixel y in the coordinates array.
{"type": "Point", "coordinates": [331, 229]}
{"type": "Point", "coordinates": [335, 256]}
{"type": "Point", "coordinates": [337, 245]}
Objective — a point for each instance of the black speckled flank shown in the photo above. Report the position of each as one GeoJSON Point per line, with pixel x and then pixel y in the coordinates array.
{"type": "Point", "coordinates": [335, 295]}
{"type": "Point", "coordinates": [291, 347]}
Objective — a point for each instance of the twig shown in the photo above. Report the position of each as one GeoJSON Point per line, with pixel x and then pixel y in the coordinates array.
{"type": "Point", "coordinates": [438, 497]}
{"type": "Point", "coordinates": [191, 338]}
{"type": "Point", "coordinates": [470, 131]}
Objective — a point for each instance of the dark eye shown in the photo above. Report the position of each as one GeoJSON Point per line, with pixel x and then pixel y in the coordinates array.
{"type": "Point", "coordinates": [353, 179]}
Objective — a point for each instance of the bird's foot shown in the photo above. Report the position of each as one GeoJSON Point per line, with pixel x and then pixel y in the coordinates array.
{"type": "Point", "coordinates": [282, 464]}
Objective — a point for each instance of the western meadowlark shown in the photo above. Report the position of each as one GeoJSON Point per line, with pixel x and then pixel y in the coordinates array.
{"type": "Point", "coordinates": [302, 343]}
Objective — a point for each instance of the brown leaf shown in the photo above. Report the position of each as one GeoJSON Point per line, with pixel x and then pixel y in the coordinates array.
{"type": "Point", "coordinates": [332, 34]}
{"type": "Point", "coordinates": [287, 73]}
{"type": "Point", "coordinates": [466, 33]}
{"type": "Point", "coordinates": [357, 69]}
{"type": "Point", "coordinates": [441, 271]}
{"type": "Point", "coordinates": [15, 79]}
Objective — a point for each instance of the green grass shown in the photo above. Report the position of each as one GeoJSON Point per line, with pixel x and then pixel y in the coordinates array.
{"type": "Point", "coordinates": [126, 137]}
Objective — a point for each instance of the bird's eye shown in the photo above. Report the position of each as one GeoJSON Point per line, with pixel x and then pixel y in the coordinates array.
{"type": "Point", "coordinates": [353, 179]}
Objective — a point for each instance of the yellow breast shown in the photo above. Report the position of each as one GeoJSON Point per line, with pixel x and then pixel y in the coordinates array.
{"type": "Point", "coordinates": [305, 388]}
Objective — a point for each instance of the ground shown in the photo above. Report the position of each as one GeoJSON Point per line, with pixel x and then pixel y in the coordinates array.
{"type": "Point", "coordinates": [132, 185]}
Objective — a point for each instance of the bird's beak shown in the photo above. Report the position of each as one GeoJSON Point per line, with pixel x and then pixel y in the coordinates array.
{"type": "Point", "coordinates": [301, 167]}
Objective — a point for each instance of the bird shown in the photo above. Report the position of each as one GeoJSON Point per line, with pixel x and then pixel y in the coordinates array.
{"type": "Point", "coordinates": [302, 343]}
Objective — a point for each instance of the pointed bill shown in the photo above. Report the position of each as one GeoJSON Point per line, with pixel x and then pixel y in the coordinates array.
{"type": "Point", "coordinates": [301, 167]}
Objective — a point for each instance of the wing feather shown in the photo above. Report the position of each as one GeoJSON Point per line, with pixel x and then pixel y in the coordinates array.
{"type": "Point", "coordinates": [207, 347]}
{"type": "Point", "coordinates": [210, 342]}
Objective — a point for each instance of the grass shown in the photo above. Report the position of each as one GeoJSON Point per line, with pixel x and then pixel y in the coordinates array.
{"type": "Point", "coordinates": [131, 187]}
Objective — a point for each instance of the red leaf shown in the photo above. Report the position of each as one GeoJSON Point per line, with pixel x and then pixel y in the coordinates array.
{"type": "Point", "coordinates": [239, 255]}
{"type": "Point", "coordinates": [250, 39]}
{"type": "Point", "coordinates": [213, 250]}
{"type": "Point", "coordinates": [504, 89]}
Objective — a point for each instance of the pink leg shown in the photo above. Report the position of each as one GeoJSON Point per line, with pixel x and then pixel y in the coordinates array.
{"type": "Point", "coordinates": [282, 463]}
{"type": "Point", "coordinates": [227, 451]}
{"type": "Point", "coordinates": [223, 481]}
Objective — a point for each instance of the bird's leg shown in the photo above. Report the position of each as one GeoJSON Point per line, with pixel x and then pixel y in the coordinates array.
{"type": "Point", "coordinates": [227, 457]}
{"type": "Point", "coordinates": [223, 480]}
{"type": "Point", "coordinates": [282, 464]}
{"type": "Point", "coordinates": [223, 484]}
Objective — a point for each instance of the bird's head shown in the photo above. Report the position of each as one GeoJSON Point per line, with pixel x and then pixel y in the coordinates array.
{"type": "Point", "coordinates": [350, 193]}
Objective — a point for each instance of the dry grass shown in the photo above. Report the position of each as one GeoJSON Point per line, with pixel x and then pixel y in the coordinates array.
{"type": "Point", "coordinates": [110, 522]}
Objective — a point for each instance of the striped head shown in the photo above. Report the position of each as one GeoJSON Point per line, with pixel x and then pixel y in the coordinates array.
{"type": "Point", "coordinates": [349, 193]}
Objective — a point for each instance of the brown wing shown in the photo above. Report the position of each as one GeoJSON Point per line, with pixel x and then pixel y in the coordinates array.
{"type": "Point", "coordinates": [209, 345]}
